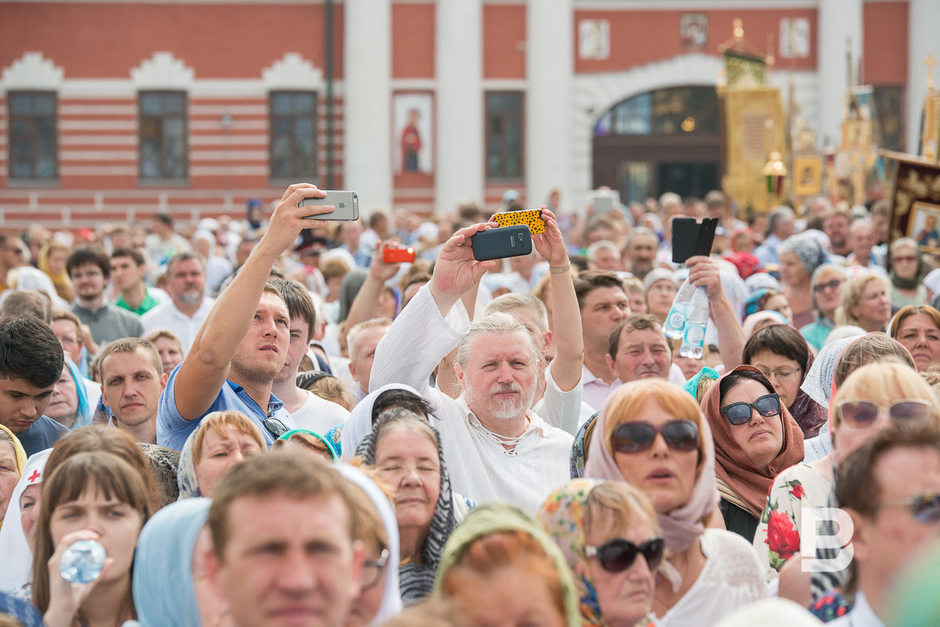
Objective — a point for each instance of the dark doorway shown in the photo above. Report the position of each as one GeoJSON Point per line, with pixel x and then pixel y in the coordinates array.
{"type": "Point", "coordinates": [661, 141]}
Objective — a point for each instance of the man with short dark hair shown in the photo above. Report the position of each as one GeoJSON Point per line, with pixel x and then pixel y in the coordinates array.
{"type": "Point", "coordinates": [604, 304]}
{"type": "Point", "coordinates": [89, 268]}
{"type": "Point", "coordinates": [164, 242]}
{"type": "Point", "coordinates": [836, 228]}
{"type": "Point", "coordinates": [132, 379]}
{"type": "Point", "coordinates": [306, 409]}
{"type": "Point", "coordinates": [128, 270]}
{"type": "Point", "coordinates": [31, 361]}
{"type": "Point", "coordinates": [189, 305]}
{"type": "Point", "coordinates": [283, 532]}
{"type": "Point", "coordinates": [638, 349]}
{"type": "Point", "coordinates": [242, 345]}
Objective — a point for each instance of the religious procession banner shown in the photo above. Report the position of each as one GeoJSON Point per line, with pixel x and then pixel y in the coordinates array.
{"type": "Point", "coordinates": [915, 207]}
{"type": "Point", "coordinates": [754, 127]}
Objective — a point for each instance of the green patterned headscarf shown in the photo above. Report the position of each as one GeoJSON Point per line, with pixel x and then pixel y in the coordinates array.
{"type": "Point", "coordinates": [494, 517]}
{"type": "Point", "coordinates": [562, 515]}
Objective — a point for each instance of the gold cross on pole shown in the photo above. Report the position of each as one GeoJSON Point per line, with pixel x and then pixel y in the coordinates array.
{"type": "Point", "coordinates": [930, 61]}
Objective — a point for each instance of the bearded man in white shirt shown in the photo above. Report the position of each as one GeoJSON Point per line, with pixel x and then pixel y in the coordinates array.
{"type": "Point", "coordinates": [494, 446]}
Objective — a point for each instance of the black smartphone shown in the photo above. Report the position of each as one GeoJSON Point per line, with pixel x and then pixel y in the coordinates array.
{"type": "Point", "coordinates": [507, 241]}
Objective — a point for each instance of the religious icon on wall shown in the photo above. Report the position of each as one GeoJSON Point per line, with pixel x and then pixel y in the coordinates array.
{"type": "Point", "coordinates": [807, 175]}
{"type": "Point", "coordinates": [413, 116]}
{"type": "Point", "coordinates": [593, 39]}
{"type": "Point", "coordinates": [693, 30]}
{"type": "Point", "coordinates": [794, 38]}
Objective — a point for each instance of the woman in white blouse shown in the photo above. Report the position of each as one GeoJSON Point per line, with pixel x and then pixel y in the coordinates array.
{"type": "Point", "coordinates": [651, 434]}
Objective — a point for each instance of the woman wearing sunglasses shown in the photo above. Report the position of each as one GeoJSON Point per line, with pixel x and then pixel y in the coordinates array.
{"type": "Point", "coordinates": [871, 399]}
{"type": "Point", "coordinates": [755, 438]}
{"type": "Point", "coordinates": [222, 440]}
{"type": "Point", "coordinates": [609, 534]}
{"type": "Point", "coordinates": [907, 274]}
{"type": "Point", "coordinates": [781, 353]}
{"type": "Point", "coordinates": [652, 435]}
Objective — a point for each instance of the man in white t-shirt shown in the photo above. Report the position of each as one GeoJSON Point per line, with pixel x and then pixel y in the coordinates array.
{"type": "Point", "coordinates": [495, 447]}
{"type": "Point", "coordinates": [307, 410]}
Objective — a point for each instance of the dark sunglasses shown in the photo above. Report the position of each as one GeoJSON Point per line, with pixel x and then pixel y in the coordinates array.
{"type": "Point", "coordinates": [862, 414]}
{"type": "Point", "coordinates": [740, 413]}
{"type": "Point", "coordinates": [925, 508]}
{"type": "Point", "coordinates": [819, 288]}
{"type": "Point", "coordinates": [372, 570]}
{"type": "Point", "coordinates": [634, 437]}
{"type": "Point", "coordinates": [618, 555]}
{"type": "Point", "coordinates": [275, 427]}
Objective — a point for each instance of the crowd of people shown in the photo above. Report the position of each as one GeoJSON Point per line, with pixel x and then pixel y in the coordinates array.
{"type": "Point", "coordinates": [275, 421]}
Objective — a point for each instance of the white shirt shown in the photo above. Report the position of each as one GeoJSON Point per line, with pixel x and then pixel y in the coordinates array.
{"type": "Point", "coordinates": [561, 409]}
{"type": "Point", "coordinates": [480, 468]}
{"type": "Point", "coordinates": [319, 414]}
{"type": "Point", "coordinates": [167, 316]}
{"type": "Point", "coordinates": [732, 577]}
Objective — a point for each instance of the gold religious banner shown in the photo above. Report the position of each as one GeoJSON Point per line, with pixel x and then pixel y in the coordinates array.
{"type": "Point", "coordinates": [930, 117]}
{"type": "Point", "coordinates": [754, 127]}
{"type": "Point", "coordinates": [915, 206]}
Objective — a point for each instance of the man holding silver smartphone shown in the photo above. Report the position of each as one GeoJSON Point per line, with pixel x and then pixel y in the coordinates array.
{"type": "Point", "coordinates": [242, 345]}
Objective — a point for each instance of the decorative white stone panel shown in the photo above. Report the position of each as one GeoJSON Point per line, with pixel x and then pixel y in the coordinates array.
{"type": "Point", "coordinates": [32, 71]}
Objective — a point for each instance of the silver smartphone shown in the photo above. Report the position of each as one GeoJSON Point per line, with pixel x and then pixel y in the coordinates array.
{"type": "Point", "coordinates": [346, 203]}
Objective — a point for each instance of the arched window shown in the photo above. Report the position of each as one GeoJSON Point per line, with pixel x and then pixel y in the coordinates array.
{"type": "Point", "coordinates": [688, 109]}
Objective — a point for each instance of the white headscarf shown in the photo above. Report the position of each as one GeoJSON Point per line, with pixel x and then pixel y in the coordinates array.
{"type": "Point", "coordinates": [360, 419]}
{"type": "Point", "coordinates": [14, 549]}
{"type": "Point", "coordinates": [391, 597]}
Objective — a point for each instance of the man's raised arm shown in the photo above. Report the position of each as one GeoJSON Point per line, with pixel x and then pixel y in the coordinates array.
{"type": "Point", "coordinates": [206, 366]}
{"type": "Point", "coordinates": [427, 329]}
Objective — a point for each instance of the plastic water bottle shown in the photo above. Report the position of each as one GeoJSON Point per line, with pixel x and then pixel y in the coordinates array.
{"type": "Point", "coordinates": [82, 561]}
{"type": "Point", "coordinates": [694, 338]}
{"type": "Point", "coordinates": [679, 312]}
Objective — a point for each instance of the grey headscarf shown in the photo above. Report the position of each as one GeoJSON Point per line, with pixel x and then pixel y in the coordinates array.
{"type": "Point", "coordinates": [807, 249]}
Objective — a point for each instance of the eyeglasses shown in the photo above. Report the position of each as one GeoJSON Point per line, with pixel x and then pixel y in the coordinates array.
{"type": "Point", "coordinates": [638, 436]}
{"type": "Point", "coordinates": [862, 414]}
{"type": "Point", "coordinates": [740, 413]}
{"type": "Point", "coordinates": [905, 258]}
{"type": "Point", "coordinates": [275, 427]}
{"type": "Point", "coordinates": [819, 288]}
{"type": "Point", "coordinates": [618, 555]}
{"type": "Point", "coordinates": [925, 508]}
{"type": "Point", "coordinates": [372, 570]}
{"type": "Point", "coordinates": [779, 373]}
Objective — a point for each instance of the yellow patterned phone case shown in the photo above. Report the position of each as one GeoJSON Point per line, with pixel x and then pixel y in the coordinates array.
{"type": "Point", "coordinates": [531, 218]}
